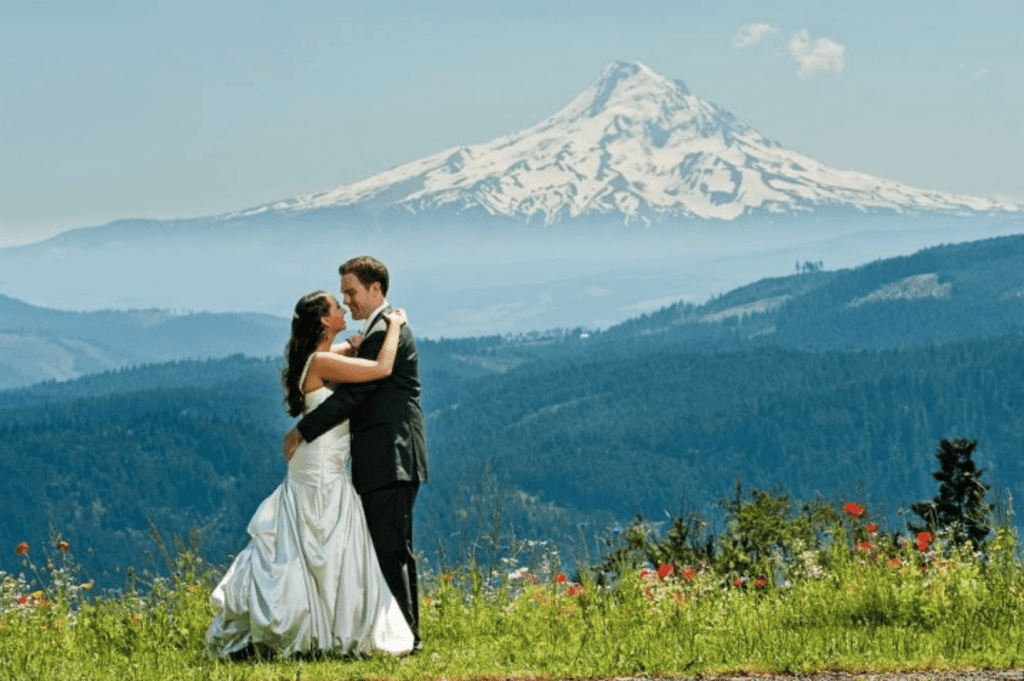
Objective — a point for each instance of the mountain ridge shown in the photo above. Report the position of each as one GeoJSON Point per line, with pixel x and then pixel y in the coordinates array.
{"type": "Point", "coordinates": [38, 343]}
{"type": "Point", "coordinates": [887, 303]}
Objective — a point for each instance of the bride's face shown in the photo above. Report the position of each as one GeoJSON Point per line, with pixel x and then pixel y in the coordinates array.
{"type": "Point", "coordinates": [334, 322]}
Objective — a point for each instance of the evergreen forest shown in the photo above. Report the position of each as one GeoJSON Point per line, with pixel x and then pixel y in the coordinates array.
{"type": "Point", "coordinates": [567, 435]}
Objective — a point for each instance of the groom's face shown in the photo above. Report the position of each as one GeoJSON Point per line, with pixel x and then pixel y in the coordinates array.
{"type": "Point", "coordinates": [359, 299]}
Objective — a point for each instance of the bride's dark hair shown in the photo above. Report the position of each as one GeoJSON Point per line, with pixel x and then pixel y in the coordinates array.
{"type": "Point", "coordinates": [307, 332]}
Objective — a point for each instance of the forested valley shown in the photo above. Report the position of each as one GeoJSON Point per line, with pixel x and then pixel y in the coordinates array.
{"type": "Point", "coordinates": [568, 434]}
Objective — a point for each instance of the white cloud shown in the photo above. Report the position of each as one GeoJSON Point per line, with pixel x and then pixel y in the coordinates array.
{"type": "Point", "coordinates": [751, 35]}
{"type": "Point", "coordinates": [975, 73]}
{"type": "Point", "coordinates": [816, 56]}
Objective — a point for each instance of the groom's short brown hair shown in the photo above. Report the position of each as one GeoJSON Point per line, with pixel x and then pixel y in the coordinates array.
{"type": "Point", "coordinates": [367, 270]}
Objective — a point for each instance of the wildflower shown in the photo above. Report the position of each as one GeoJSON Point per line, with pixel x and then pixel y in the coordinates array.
{"type": "Point", "coordinates": [21, 549]}
{"type": "Point", "coordinates": [854, 510]}
{"type": "Point", "coordinates": [23, 600]}
{"type": "Point", "coordinates": [761, 583]}
{"type": "Point", "coordinates": [689, 574]}
{"type": "Point", "coordinates": [521, 573]}
{"type": "Point", "coordinates": [738, 582]}
{"type": "Point", "coordinates": [560, 578]}
{"type": "Point", "coordinates": [872, 528]}
{"type": "Point", "coordinates": [895, 562]}
{"type": "Point", "coordinates": [575, 590]}
{"type": "Point", "coordinates": [644, 574]}
{"type": "Point", "coordinates": [447, 576]}
{"type": "Point", "coordinates": [63, 545]}
{"type": "Point", "coordinates": [664, 571]}
{"type": "Point", "coordinates": [679, 597]}
{"type": "Point", "coordinates": [864, 546]}
{"type": "Point", "coordinates": [923, 540]}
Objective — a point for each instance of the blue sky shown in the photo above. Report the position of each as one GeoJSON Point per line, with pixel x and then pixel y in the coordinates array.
{"type": "Point", "coordinates": [181, 108]}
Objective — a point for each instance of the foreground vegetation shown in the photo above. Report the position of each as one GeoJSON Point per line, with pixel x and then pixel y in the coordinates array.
{"type": "Point", "coordinates": [788, 588]}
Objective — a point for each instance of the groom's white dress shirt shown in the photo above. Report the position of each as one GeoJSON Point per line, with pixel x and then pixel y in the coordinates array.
{"type": "Point", "coordinates": [372, 316]}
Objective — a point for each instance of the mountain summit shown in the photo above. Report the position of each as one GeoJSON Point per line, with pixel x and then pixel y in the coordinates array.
{"type": "Point", "coordinates": [638, 147]}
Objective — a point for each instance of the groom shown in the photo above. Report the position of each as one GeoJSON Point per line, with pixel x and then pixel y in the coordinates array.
{"type": "Point", "coordinates": [389, 446]}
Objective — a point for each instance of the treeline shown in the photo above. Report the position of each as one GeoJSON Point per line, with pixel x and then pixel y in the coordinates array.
{"type": "Point", "coordinates": [676, 431]}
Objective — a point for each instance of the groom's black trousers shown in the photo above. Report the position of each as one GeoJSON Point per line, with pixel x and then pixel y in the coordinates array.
{"type": "Point", "coordinates": [389, 517]}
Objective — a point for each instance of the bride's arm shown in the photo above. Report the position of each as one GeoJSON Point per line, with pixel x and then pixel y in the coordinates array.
{"type": "Point", "coordinates": [340, 404]}
{"type": "Point", "coordinates": [338, 368]}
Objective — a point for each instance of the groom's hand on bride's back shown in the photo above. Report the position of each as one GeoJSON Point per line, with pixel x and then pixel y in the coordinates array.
{"type": "Point", "coordinates": [291, 442]}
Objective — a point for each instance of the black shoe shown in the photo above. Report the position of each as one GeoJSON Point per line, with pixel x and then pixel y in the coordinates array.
{"type": "Point", "coordinates": [254, 652]}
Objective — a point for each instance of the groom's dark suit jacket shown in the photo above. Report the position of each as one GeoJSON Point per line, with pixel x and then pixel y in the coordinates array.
{"type": "Point", "coordinates": [389, 443]}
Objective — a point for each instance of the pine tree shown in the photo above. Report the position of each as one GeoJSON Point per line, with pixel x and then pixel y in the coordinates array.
{"type": "Point", "coordinates": [960, 508]}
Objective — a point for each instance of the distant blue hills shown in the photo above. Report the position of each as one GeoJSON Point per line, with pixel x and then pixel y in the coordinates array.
{"type": "Point", "coordinates": [38, 343]}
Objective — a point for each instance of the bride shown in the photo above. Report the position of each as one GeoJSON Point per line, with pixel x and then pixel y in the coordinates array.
{"type": "Point", "coordinates": [309, 580]}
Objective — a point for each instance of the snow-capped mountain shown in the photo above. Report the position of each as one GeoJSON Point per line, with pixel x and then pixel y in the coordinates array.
{"type": "Point", "coordinates": [635, 146]}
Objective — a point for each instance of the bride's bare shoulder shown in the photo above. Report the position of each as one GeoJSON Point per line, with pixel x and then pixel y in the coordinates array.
{"type": "Point", "coordinates": [314, 373]}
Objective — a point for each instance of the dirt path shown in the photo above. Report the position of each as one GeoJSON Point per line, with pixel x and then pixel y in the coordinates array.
{"type": "Point", "coordinates": [960, 675]}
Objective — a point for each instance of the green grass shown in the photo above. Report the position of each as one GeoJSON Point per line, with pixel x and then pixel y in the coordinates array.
{"type": "Point", "coordinates": [833, 608]}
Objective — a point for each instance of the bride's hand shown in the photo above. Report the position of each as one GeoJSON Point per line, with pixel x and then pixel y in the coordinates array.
{"type": "Point", "coordinates": [355, 340]}
{"type": "Point", "coordinates": [397, 317]}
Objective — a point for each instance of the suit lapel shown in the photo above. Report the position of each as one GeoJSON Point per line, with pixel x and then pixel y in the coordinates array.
{"type": "Point", "coordinates": [379, 324]}
{"type": "Point", "coordinates": [378, 319]}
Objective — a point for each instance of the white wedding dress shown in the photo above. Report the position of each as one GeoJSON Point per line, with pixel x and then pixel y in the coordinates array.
{"type": "Point", "coordinates": [309, 579]}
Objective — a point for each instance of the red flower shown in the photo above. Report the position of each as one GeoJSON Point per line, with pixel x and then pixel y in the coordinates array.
{"type": "Point", "coordinates": [447, 576]}
{"type": "Point", "coordinates": [761, 583]}
{"type": "Point", "coordinates": [864, 546]}
{"type": "Point", "coordinates": [679, 598]}
{"type": "Point", "coordinates": [23, 600]}
{"type": "Point", "coordinates": [872, 528]}
{"type": "Point", "coordinates": [664, 571]}
{"type": "Point", "coordinates": [63, 545]}
{"type": "Point", "coordinates": [854, 510]}
{"type": "Point", "coordinates": [923, 540]}
{"type": "Point", "coordinates": [894, 562]}
{"type": "Point", "coordinates": [21, 549]}
{"type": "Point", "coordinates": [738, 582]}
{"type": "Point", "coordinates": [575, 590]}
{"type": "Point", "coordinates": [688, 575]}
{"type": "Point", "coordinates": [644, 574]}
{"type": "Point", "coordinates": [560, 578]}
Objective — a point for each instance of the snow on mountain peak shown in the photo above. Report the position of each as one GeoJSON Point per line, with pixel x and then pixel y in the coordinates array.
{"type": "Point", "coordinates": [640, 147]}
{"type": "Point", "coordinates": [628, 83]}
